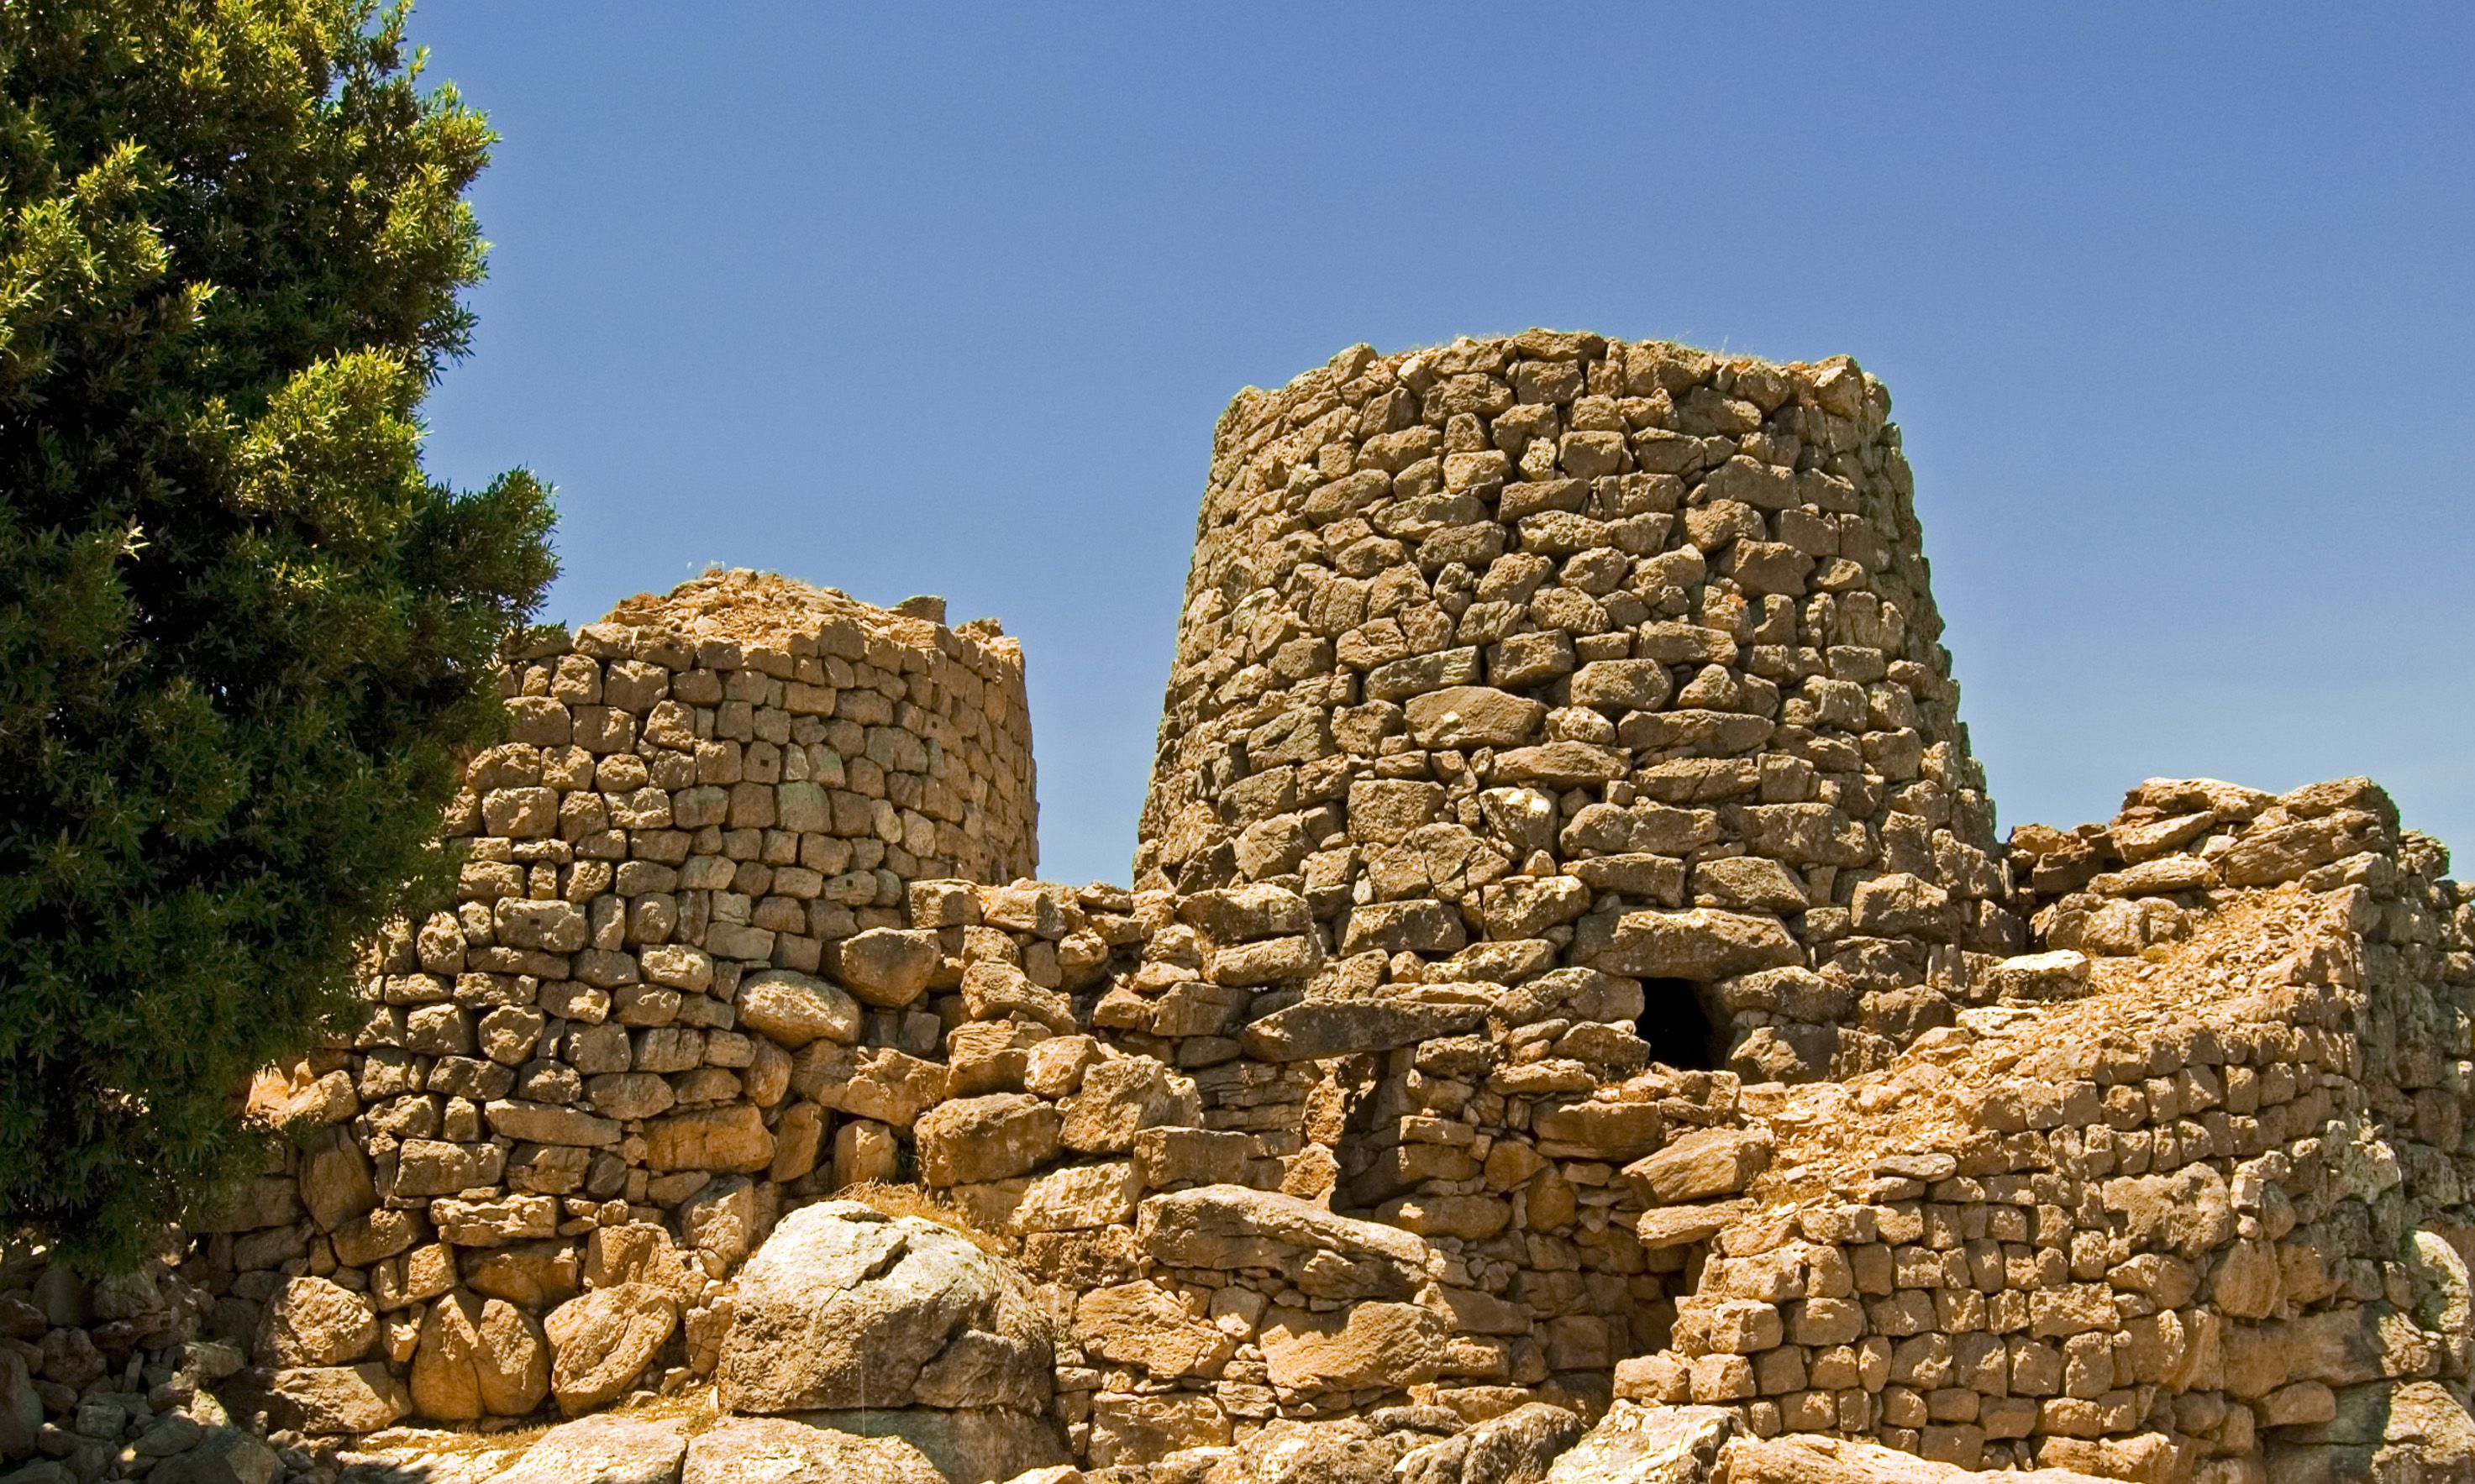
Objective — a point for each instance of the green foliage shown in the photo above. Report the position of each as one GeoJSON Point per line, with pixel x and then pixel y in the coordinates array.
{"type": "Point", "coordinates": [244, 641]}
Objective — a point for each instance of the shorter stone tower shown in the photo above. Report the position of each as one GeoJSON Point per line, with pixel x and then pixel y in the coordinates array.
{"type": "Point", "coordinates": [1558, 651]}
{"type": "Point", "coordinates": [777, 761]}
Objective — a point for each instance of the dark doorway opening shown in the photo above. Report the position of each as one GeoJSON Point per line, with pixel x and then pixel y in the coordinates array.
{"type": "Point", "coordinates": [1678, 1027]}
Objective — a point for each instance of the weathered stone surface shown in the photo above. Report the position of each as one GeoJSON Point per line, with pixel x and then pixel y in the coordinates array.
{"type": "Point", "coordinates": [1122, 1095]}
{"type": "Point", "coordinates": [1648, 1444]}
{"type": "Point", "coordinates": [601, 1343]}
{"type": "Point", "coordinates": [1698, 943]}
{"type": "Point", "coordinates": [988, 1139]}
{"type": "Point", "coordinates": [730, 1137]}
{"type": "Point", "coordinates": [1517, 1448]}
{"type": "Point", "coordinates": [544, 1123]}
{"type": "Point", "coordinates": [876, 1082]}
{"type": "Point", "coordinates": [1081, 1197]}
{"type": "Point", "coordinates": [843, 1307]}
{"type": "Point", "coordinates": [1698, 1165]}
{"type": "Point", "coordinates": [795, 1009]}
{"type": "Point", "coordinates": [316, 1322]}
{"type": "Point", "coordinates": [603, 1450]}
{"type": "Point", "coordinates": [1365, 1346]}
{"type": "Point", "coordinates": [477, 1358]}
{"type": "Point", "coordinates": [1131, 1430]}
{"type": "Point", "coordinates": [1473, 716]}
{"type": "Point", "coordinates": [1142, 1325]}
{"type": "Point", "coordinates": [966, 1445]}
{"type": "Point", "coordinates": [1239, 915]}
{"type": "Point", "coordinates": [337, 1398]}
{"type": "Point", "coordinates": [1678, 1225]}
{"type": "Point", "coordinates": [1315, 1029]}
{"type": "Point", "coordinates": [1328, 1256]}
{"type": "Point", "coordinates": [888, 966]}
{"type": "Point", "coordinates": [788, 1451]}
{"type": "Point", "coordinates": [2282, 852]}
{"type": "Point", "coordinates": [2060, 974]}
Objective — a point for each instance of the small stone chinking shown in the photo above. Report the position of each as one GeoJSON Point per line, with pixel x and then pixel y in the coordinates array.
{"type": "Point", "coordinates": [1503, 1070]}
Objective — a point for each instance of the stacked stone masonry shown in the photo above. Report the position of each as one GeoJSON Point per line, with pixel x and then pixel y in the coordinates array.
{"type": "Point", "coordinates": [1621, 647]}
{"type": "Point", "coordinates": [1356, 1138]}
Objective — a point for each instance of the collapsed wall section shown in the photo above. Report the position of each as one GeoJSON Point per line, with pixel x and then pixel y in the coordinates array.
{"type": "Point", "coordinates": [1558, 649]}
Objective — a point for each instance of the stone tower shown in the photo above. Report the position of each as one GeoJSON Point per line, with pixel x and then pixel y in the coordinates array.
{"type": "Point", "coordinates": [1558, 651]}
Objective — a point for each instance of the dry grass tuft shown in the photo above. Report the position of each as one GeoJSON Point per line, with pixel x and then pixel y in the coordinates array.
{"type": "Point", "coordinates": [926, 1204]}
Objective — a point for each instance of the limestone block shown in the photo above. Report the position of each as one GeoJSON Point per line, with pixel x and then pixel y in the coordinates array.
{"type": "Point", "coordinates": [1081, 1197]}
{"type": "Point", "coordinates": [315, 1321]}
{"type": "Point", "coordinates": [869, 1082]}
{"type": "Point", "coordinates": [1698, 943]}
{"type": "Point", "coordinates": [1329, 1255]}
{"type": "Point", "coordinates": [843, 1305]}
{"type": "Point", "coordinates": [795, 1008]}
{"type": "Point", "coordinates": [1312, 1029]}
{"type": "Point", "coordinates": [1697, 1166]}
{"type": "Point", "coordinates": [337, 1398]}
{"type": "Point", "coordinates": [728, 1137]}
{"type": "Point", "coordinates": [477, 1357]}
{"type": "Point", "coordinates": [1473, 716]}
{"type": "Point", "coordinates": [1139, 1429]}
{"type": "Point", "coordinates": [1369, 1345]}
{"type": "Point", "coordinates": [545, 1123]}
{"type": "Point", "coordinates": [985, 1138]}
{"type": "Point", "coordinates": [887, 966]}
{"type": "Point", "coordinates": [602, 1342]}
{"type": "Point", "coordinates": [1121, 1096]}
{"type": "Point", "coordinates": [1141, 1324]}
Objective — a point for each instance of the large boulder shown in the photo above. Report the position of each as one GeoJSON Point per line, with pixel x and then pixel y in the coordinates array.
{"type": "Point", "coordinates": [966, 1445]}
{"type": "Point", "coordinates": [782, 1450]}
{"type": "Point", "coordinates": [845, 1308]}
{"type": "Point", "coordinates": [1517, 1448]}
{"type": "Point", "coordinates": [1648, 1444]}
{"type": "Point", "coordinates": [1294, 1453]}
{"type": "Point", "coordinates": [603, 1450]}
{"type": "Point", "coordinates": [2410, 1432]}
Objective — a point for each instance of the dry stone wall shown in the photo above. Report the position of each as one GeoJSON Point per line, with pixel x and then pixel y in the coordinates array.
{"type": "Point", "coordinates": [1624, 651]}
{"type": "Point", "coordinates": [574, 1102]}
{"type": "Point", "coordinates": [1355, 1139]}
{"type": "Point", "coordinates": [2190, 1200]}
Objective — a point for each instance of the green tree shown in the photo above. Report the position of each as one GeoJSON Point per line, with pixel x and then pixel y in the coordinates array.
{"type": "Point", "coordinates": [244, 639]}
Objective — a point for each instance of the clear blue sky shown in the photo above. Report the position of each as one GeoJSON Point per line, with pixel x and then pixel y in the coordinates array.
{"type": "Point", "coordinates": [2173, 302]}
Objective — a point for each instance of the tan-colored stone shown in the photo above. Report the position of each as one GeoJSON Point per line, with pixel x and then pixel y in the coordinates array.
{"type": "Point", "coordinates": [729, 1137]}
{"type": "Point", "coordinates": [1365, 1346]}
{"type": "Point", "coordinates": [1141, 1324]}
{"type": "Point", "coordinates": [602, 1342]}
{"type": "Point", "coordinates": [477, 1357]}
{"type": "Point", "coordinates": [314, 1321]}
